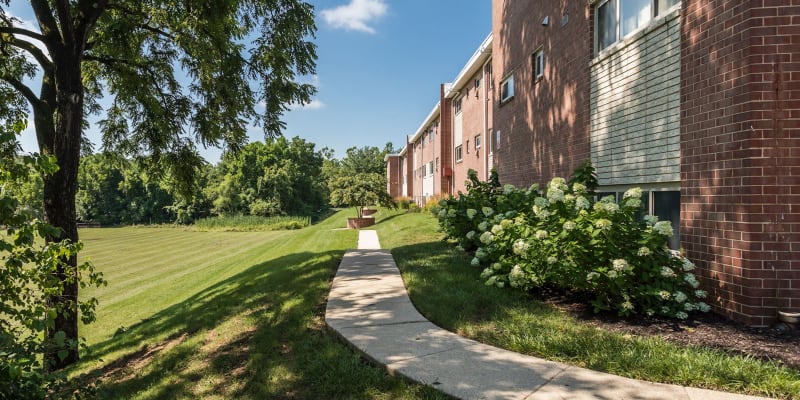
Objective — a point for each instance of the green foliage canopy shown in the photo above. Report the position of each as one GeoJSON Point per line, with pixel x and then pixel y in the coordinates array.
{"type": "Point", "coordinates": [360, 191]}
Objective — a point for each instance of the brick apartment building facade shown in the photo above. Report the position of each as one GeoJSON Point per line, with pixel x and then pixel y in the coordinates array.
{"type": "Point", "coordinates": [696, 101]}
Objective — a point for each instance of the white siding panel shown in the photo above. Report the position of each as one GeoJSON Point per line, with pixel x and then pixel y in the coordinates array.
{"type": "Point", "coordinates": [635, 108]}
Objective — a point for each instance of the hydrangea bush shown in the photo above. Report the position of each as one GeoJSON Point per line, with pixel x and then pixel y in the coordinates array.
{"type": "Point", "coordinates": [559, 237]}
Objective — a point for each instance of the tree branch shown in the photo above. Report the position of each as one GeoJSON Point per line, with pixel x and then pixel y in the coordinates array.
{"type": "Point", "coordinates": [67, 27]}
{"type": "Point", "coordinates": [36, 52]}
{"type": "Point", "coordinates": [22, 32]}
{"type": "Point", "coordinates": [22, 89]}
{"type": "Point", "coordinates": [47, 23]}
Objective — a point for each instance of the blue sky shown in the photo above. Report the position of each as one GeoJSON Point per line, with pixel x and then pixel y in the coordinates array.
{"type": "Point", "coordinates": [379, 69]}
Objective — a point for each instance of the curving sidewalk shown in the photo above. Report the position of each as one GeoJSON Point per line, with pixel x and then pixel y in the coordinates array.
{"type": "Point", "coordinates": [369, 308]}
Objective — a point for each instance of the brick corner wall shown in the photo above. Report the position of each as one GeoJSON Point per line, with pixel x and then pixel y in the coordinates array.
{"type": "Point", "coordinates": [740, 153]}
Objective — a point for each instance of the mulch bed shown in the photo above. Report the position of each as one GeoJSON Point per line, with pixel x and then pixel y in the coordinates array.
{"type": "Point", "coordinates": [780, 343]}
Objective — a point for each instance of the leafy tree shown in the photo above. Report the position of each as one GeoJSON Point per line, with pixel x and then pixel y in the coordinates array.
{"type": "Point", "coordinates": [133, 51]}
{"type": "Point", "coordinates": [365, 160]}
{"type": "Point", "coordinates": [360, 191]}
{"type": "Point", "coordinates": [32, 273]}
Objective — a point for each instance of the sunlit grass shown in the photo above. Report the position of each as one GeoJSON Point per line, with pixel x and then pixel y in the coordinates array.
{"type": "Point", "coordinates": [220, 315]}
{"type": "Point", "coordinates": [245, 223]}
{"type": "Point", "coordinates": [447, 290]}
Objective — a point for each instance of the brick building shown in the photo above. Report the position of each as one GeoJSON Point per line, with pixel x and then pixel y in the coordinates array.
{"type": "Point", "coordinates": [697, 102]}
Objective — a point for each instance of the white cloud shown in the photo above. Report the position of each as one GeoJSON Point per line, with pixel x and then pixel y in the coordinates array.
{"type": "Point", "coordinates": [313, 105]}
{"type": "Point", "coordinates": [355, 16]}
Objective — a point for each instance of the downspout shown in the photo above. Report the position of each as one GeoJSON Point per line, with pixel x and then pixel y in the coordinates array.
{"type": "Point", "coordinates": [486, 144]}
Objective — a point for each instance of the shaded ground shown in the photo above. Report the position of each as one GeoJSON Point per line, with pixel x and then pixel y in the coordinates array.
{"type": "Point", "coordinates": [779, 343]}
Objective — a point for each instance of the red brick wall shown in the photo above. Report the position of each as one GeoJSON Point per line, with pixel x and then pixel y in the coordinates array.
{"type": "Point", "coordinates": [394, 183]}
{"type": "Point", "coordinates": [740, 150]}
{"type": "Point", "coordinates": [444, 140]}
{"type": "Point", "coordinates": [473, 108]}
{"type": "Point", "coordinates": [544, 130]}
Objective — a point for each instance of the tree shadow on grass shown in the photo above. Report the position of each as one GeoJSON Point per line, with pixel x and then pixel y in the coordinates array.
{"type": "Point", "coordinates": [258, 334]}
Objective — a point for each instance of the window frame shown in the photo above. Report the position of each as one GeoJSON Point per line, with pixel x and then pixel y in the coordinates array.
{"type": "Point", "coordinates": [459, 153]}
{"type": "Point", "coordinates": [457, 105]}
{"type": "Point", "coordinates": [538, 64]}
{"type": "Point", "coordinates": [507, 83]}
{"type": "Point", "coordinates": [477, 141]}
{"type": "Point", "coordinates": [618, 28]}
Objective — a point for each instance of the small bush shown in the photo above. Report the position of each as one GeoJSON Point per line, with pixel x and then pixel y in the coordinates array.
{"type": "Point", "coordinates": [251, 223]}
{"type": "Point", "coordinates": [559, 237]}
{"type": "Point", "coordinates": [403, 202]}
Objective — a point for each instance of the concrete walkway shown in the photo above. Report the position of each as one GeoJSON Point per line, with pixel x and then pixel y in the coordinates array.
{"type": "Point", "coordinates": [369, 308]}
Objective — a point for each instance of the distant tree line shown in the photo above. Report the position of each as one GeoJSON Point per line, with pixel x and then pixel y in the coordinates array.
{"type": "Point", "coordinates": [277, 177]}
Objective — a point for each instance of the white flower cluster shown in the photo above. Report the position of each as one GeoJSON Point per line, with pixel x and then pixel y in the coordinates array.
{"type": "Point", "coordinates": [579, 188]}
{"type": "Point", "coordinates": [620, 265]}
{"type": "Point", "coordinates": [471, 213]}
{"type": "Point", "coordinates": [667, 272]}
{"type": "Point", "coordinates": [627, 305]}
{"type": "Point", "coordinates": [540, 234]}
{"type": "Point", "coordinates": [555, 195]}
{"type": "Point", "coordinates": [487, 211]}
{"type": "Point", "coordinates": [487, 273]}
{"type": "Point", "coordinates": [582, 203]}
{"type": "Point", "coordinates": [691, 280]}
{"type": "Point", "coordinates": [497, 229]}
{"type": "Point", "coordinates": [516, 277]}
{"type": "Point", "coordinates": [569, 225]}
{"type": "Point", "coordinates": [665, 295]}
{"type": "Point", "coordinates": [483, 226]}
{"type": "Point", "coordinates": [541, 202]}
{"type": "Point", "coordinates": [471, 235]}
{"type": "Point", "coordinates": [558, 183]}
{"type": "Point", "coordinates": [680, 297]}
{"type": "Point", "coordinates": [591, 275]}
{"type": "Point", "coordinates": [508, 189]}
{"type": "Point", "coordinates": [486, 237]}
{"type": "Point", "coordinates": [663, 228]}
{"type": "Point", "coordinates": [700, 294]}
{"type": "Point", "coordinates": [633, 203]}
{"type": "Point", "coordinates": [635, 193]}
{"type": "Point", "coordinates": [687, 265]}
{"type": "Point", "coordinates": [521, 247]}
{"type": "Point", "coordinates": [650, 219]}
{"type": "Point", "coordinates": [643, 251]}
{"type": "Point", "coordinates": [475, 262]}
{"type": "Point", "coordinates": [541, 212]}
{"type": "Point", "coordinates": [552, 260]}
{"type": "Point", "coordinates": [603, 224]}
{"type": "Point", "coordinates": [480, 253]}
{"type": "Point", "coordinates": [609, 207]}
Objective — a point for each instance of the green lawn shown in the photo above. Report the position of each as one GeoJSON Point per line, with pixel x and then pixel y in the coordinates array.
{"type": "Point", "coordinates": [447, 290]}
{"type": "Point", "coordinates": [223, 315]}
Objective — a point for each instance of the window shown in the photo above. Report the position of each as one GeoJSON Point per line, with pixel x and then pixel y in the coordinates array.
{"type": "Point", "coordinates": [667, 207]}
{"type": "Point", "coordinates": [457, 106]}
{"type": "Point", "coordinates": [477, 83]}
{"type": "Point", "coordinates": [538, 64]}
{"type": "Point", "coordinates": [430, 136]}
{"type": "Point", "coordinates": [467, 146]}
{"type": "Point", "coordinates": [458, 153]}
{"type": "Point", "coordinates": [477, 142]}
{"type": "Point", "coordinates": [507, 89]}
{"type": "Point", "coordinates": [430, 168]}
{"type": "Point", "coordinates": [616, 19]}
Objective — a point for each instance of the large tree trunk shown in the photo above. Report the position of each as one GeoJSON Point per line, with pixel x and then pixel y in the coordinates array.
{"type": "Point", "coordinates": [59, 201]}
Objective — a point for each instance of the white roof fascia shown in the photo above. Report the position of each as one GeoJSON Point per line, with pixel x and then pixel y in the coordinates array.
{"type": "Point", "coordinates": [422, 128]}
{"type": "Point", "coordinates": [474, 64]}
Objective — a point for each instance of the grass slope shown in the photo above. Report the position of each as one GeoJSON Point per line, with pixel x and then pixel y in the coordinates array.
{"type": "Point", "coordinates": [223, 315]}
{"type": "Point", "coordinates": [447, 290]}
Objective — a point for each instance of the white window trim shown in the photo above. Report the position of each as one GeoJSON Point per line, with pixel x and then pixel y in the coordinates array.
{"type": "Point", "coordinates": [477, 141]}
{"type": "Point", "coordinates": [459, 153]}
{"type": "Point", "coordinates": [538, 55]}
{"type": "Point", "coordinates": [655, 20]}
{"type": "Point", "coordinates": [508, 79]}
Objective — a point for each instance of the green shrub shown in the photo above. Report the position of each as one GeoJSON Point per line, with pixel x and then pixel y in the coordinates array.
{"type": "Point", "coordinates": [252, 223]}
{"type": "Point", "coordinates": [403, 202]}
{"type": "Point", "coordinates": [559, 237]}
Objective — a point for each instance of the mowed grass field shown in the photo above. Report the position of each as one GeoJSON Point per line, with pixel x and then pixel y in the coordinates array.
{"type": "Point", "coordinates": [223, 315]}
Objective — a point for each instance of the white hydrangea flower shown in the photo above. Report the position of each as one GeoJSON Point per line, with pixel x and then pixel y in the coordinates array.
{"type": "Point", "coordinates": [680, 297]}
{"type": "Point", "coordinates": [451, 213]}
{"type": "Point", "coordinates": [483, 226]}
{"type": "Point", "coordinates": [541, 234]}
{"type": "Point", "coordinates": [470, 235]}
{"type": "Point", "coordinates": [603, 223]}
{"type": "Point", "coordinates": [497, 229]}
{"type": "Point", "coordinates": [681, 315]}
{"type": "Point", "coordinates": [703, 307]}
{"type": "Point", "coordinates": [541, 202]}
{"type": "Point", "coordinates": [506, 223]}
{"type": "Point", "coordinates": [643, 252]}
{"type": "Point", "coordinates": [687, 265]}
{"type": "Point", "coordinates": [487, 211]}
{"type": "Point", "coordinates": [442, 214]}
{"type": "Point", "coordinates": [508, 189]}
{"type": "Point", "coordinates": [569, 197]}
{"type": "Point", "coordinates": [700, 294]}
{"type": "Point", "coordinates": [689, 307]}
{"type": "Point", "coordinates": [633, 203]}
{"type": "Point", "coordinates": [516, 276]}
{"type": "Point", "coordinates": [475, 262]}
{"type": "Point", "coordinates": [492, 279]}
{"type": "Point", "coordinates": [579, 188]}
{"type": "Point", "coordinates": [471, 213]}
{"type": "Point", "coordinates": [667, 272]}
{"type": "Point", "coordinates": [569, 225]}
{"type": "Point", "coordinates": [480, 253]}
{"type": "Point", "coordinates": [612, 274]}
{"type": "Point", "coordinates": [558, 183]}
{"type": "Point", "coordinates": [627, 305]}
{"type": "Point", "coordinates": [591, 275]}
{"type": "Point", "coordinates": [691, 280]}
{"type": "Point", "coordinates": [497, 266]}
{"type": "Point", "coordinates": [460, 247]}
{"type": "Point", "coordinates": [497, 218]}
{"type": "Point", "coordinates": [663, 228]}
{"type": "Point", "coordinates": [620, 265]}
{"type": "Point", "coordinates": [665, 295]}
{"type": "Point", "coordinates": [487, 237]}
{"type": "Point", "coordinates": [665, 310]}
{"type": "Point", "coordinates": [500, 284]}
{"type": "Point", "coordinates": [552, 260]}
{"type": "Point", "coordinates": [520, 247]}
{"type": "Point", "coordinates": [635, 193]}
{"type": "Point", "coordinates": [650, 219]}
{"type": "Point", "coordinates": [487, 273]}
{"type": "Point", "coordinates": [582, 203]}
{"type": "Point", "coordinates": [555, 195]}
